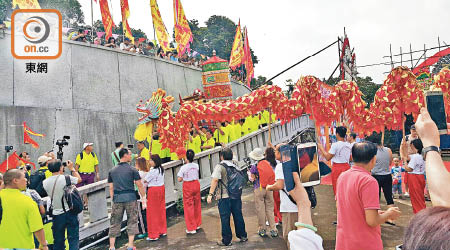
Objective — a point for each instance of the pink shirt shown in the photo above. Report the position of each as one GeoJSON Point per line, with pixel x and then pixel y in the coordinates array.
{"type": "Point", "coordinates": [357, 191]}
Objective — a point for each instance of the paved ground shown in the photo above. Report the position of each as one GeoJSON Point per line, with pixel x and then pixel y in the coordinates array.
{"type": "Point", "coordinates": [323, 216]}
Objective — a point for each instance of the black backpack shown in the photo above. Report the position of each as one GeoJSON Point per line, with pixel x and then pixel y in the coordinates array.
{"type": "Point", "coordinates": [236, 181]}
{"type": "Point", "coordinates": [1, 211]}
{"type": "Point", "coordinates": [81, 155]}
{"type": "Point", "coordinates": [72, 197]}
{"type": "Point", "coordinates": [36, 180]}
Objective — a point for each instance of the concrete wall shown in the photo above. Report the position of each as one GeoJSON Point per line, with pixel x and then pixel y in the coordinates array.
{"type": "Point", "coordinates": [95, 78]}
{"type": "Point", "coordinates": [89, 93]}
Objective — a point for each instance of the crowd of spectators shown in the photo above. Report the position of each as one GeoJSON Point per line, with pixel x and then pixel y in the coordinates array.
{"type": "Point", "coordinates": [143, 47]}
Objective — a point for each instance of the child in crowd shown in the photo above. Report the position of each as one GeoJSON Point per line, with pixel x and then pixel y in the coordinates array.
{"type": "Point", "coordinates": [396, 172]}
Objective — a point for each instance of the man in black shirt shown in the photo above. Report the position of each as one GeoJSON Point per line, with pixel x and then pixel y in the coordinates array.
{"type": "Point", "coordinates": [122, 179]}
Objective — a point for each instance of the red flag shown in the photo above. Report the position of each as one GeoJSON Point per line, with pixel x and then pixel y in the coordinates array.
{"type": "Point", "coordinates": [108, 23]}
{"type": "Point", "coordinates": [13, 161]}
{"type": "Point", "coordinates": [26, 136]}
{"type": "Point", "coordinates": [248, 59]}
{"type": "Point", "coordinates": [27, 140]}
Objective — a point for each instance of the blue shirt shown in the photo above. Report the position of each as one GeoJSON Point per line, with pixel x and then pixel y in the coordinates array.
{"type": "Point", "coordinates": [397, 173]}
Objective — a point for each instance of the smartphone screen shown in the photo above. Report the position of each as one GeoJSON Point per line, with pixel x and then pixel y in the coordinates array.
{"type": "Point", "coordinates": [436, 108]}
{"type": "Point", "coordinates": [290, 165]}
{"type": "Point", "coordinates": [308, 163]}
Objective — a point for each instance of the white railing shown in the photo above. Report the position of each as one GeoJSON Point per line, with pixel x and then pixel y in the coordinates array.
{"type": "Point", "coordinates": [96, 219]}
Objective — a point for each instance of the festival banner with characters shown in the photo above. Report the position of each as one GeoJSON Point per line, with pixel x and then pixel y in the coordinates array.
{"type": "Point", "coordinates": [108, 23]}
{"type": "Point", "coordinates": [237, 51]}
{"type": "Point", "coordinates": [183, 34]}
{"type": "Point", "coordinates": [158, 25]}
{"type": "Point", "coordinates": [125, 9]}
{"type": "Point", "coordinates": [216, 79]}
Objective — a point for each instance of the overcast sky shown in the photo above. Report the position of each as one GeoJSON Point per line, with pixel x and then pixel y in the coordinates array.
{"type": "Point", "coordinates": [285, 31]}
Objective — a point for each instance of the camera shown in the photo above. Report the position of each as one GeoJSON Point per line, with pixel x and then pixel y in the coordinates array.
{"type": "Point", "coordinates": [130, 146]}
{"type": "Point", "coordinates": [8, 148]}
{"type": "Point", "coordinates": [64, 163]}
{"type": "Point", "coordinates": [61, 143]}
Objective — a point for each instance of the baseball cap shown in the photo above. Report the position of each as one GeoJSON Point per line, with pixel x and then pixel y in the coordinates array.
{"type": "Point", "coordinates": [87, 144]}
{"type": "Point", "coordinates": [43, 159]}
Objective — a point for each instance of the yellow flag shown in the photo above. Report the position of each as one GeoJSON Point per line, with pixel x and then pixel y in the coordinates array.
{"type": "Point", "coordinates": [183, 34]}
{"type": "Point", "coordinates": [158, 25]}
{"type": "Point", "coordinates": [26, 4]}
{"type": "Point", "coordinates": [237, 51]}
{"type": "Point", "coordinates": [125, 9]}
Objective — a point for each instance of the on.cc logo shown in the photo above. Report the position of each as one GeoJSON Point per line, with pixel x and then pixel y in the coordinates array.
{"type": "Point", "coordinates": [36, 34]}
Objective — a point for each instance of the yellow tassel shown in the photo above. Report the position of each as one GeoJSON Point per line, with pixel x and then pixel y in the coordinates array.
{"type": "Point", "coordinates": [143, 131]}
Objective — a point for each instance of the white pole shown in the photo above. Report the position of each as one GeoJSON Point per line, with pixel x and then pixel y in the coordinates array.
{"type": "Point", "coordinates": [92, 21]}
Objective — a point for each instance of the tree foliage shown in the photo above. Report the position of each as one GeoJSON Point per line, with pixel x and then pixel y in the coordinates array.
{"type": "Point", "coordinates": [5, 7]}
{"type": "Point", "coordinates": [137, 33]}
{"type": "Point", "coordinates": [218, 34]}
{"type": "Point", "coordinates": [258, 81]}
{"type": "Point", "coordinates": [70, 10]}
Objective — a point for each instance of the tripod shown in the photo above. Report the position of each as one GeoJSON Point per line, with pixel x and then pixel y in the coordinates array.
{"type": "Point", "coordinates": [59, 154]}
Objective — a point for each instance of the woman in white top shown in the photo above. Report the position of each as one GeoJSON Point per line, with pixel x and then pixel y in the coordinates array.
{"type": "Point", "coordinates": [189, 174]}
{"type": "Point", "coordinates": [142, 167]}
{"type": "Point", "coordinates": [156, 201]}
{"type": "Point", "coordinates": [416, 171]}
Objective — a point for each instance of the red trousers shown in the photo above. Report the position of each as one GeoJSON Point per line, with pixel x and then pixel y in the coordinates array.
{"type": "Point", "coordinates": [156, 212]}
{"type": "Point", "coordinates": [416, 183]}
{"type": "Point", "coordinates": [192, 205]}
{"type": "Point", "coordinates": [276, 207]}
{"type": "Point", "coordinates": [336, 170]}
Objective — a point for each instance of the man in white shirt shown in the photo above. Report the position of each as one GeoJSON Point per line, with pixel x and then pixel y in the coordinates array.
{"type": "Point", "coordinates": [126, 45]}
{"type": "Point", "coordinates": [340, 153]}
{"type": "Point", "coordinates": [288, 209]}
{"type": "Point", "coordinates": [62, 219]}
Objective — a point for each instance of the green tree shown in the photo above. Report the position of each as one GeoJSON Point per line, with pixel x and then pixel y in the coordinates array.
{"type": "Point", "coordinates": [70, 10]}
{"type": "Point", "coordinates": [217, 35]}
{"type": "Point", "coordinates": [5, 7]}
{"type": "Point", "coordinates": [258, 81]}
{"type": "Point", "coordinates": [137, 33]}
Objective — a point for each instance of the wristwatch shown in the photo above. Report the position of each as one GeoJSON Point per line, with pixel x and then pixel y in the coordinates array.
{"type": "Point", "coordinates": [428, 149]}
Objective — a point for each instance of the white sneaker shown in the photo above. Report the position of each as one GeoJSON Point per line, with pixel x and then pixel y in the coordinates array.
{"type": "Point", "coordinates": [406, 194]}
{"type": "Point", "coordinates": [191, 232]}
{"type": "Point", "coordinates": [198, 228]}
{"type": "Point", "coordinates": [150, 239]}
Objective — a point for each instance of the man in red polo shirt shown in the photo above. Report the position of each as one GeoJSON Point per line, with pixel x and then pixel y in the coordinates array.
{"type": "Point", "coordinates": [358, 203]}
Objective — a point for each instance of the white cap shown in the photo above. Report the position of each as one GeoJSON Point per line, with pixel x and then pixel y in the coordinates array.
{"type": "Point", "coordinates": [257, 154]}
{"type": "Point", "coordinates": [87, 144]}
{"type": "Point", "coordinates": [43, 159]}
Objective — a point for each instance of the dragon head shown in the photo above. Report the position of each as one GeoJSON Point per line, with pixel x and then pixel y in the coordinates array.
{"type": "Point", "coordinates": [152, 108]}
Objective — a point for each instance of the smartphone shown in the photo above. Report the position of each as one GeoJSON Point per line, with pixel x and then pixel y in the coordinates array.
{"type": "Point", "coordinates": [300, 158]}
{"type": "Point", "coordinates": [308, 164]}
{"type": "Point", "coordinates": [436, 108]}
{"type": "Point", "coordinates": [290, 165]}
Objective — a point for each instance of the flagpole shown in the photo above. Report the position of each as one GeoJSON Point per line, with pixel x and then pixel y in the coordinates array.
{"type": "Point", "coordinates": [92, 21]}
